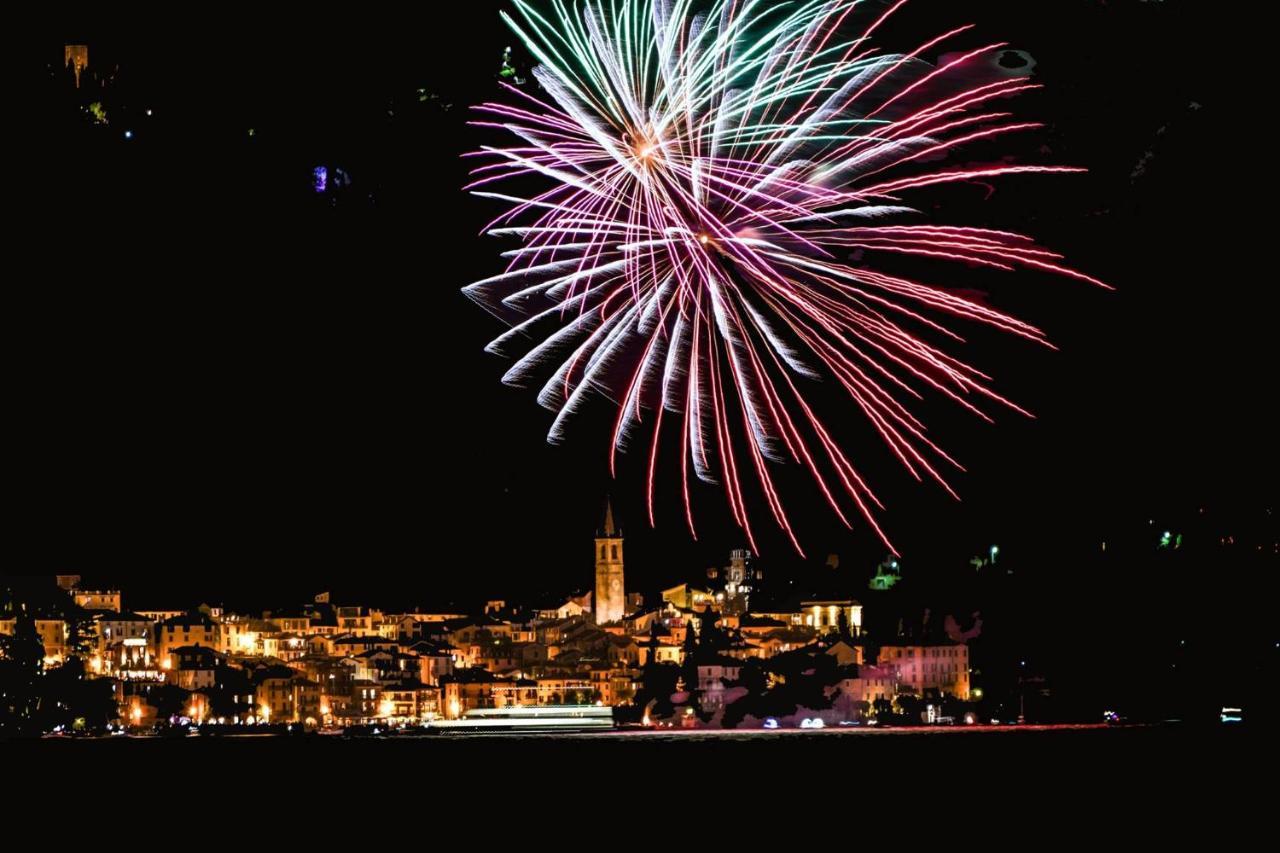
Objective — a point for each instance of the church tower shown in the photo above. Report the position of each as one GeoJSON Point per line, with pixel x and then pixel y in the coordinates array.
{"type": "Point", "coordinates": [611, 589]}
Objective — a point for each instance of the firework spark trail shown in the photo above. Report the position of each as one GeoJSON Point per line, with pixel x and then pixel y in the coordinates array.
{"type": "Point", "coordinates": [715, 168]}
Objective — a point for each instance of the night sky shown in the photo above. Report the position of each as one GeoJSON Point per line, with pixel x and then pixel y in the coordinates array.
{"type": "Point", "coordinates": [230, 385]}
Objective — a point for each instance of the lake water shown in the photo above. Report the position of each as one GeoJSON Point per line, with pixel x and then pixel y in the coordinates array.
{"type": "Point", "coordinates": [1180, 772]}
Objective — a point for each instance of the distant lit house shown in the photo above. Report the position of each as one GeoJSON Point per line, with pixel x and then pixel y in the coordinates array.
{"type": "Point", "coordinates": [782, 641]}
{"type": "Point", "coordinates": [613, 686]}
{"type": "Point", "coordinates": [686, 597]}
{"type": "Point", "coordinates": [845, 654]}
{"type": "Point", "coordinates": [285, 647]}
{"type": "Point", "coordinates": [383, 666]}
{"type": "Point", "coordinates": [351, 645]}
{"type": "Point", "coordinates": [117, 627]}
{"type": "Point", "coordinates": [290, 623]}
{"type": "Point", "coordinates": [410, 703]}
{"type": "Point", "coordinates": [245, 636]}
{"type": "Point", "coordinates": [824, 616]}
{"type": "Point", "coordinates": [129, 660]}
{"type": "Point", "coordinates": [105, 600]}
{"type": "Point", "coordinates": [516, 693]}
{"type": "Point", "coordinates": [466, 690]}
{"type": "Point", "coordinates": [336, 676]}
{"type": "Point", "coordinates": [283, 696]}
{"type": "Point", "coordinates": [159, 616]}
{"type": "Point", "coordinates": [435, 660]}
{"type": "Point", "coordinates": [623, 651]}
{"type": "Point", "coordinates": [357, 707]}
{"type": "Point", "coordinates": [191, 629]}
{"type": "Point", "coordinates": [941, 668]}
{"type": "Point", "coordinates": [358, 621]}
{"type": "Point", "coordinates": [639, 621]}
{"type": "Point", "coordinates": [564, 691]}
{"type": "Point", "coordinates": [665, 650]}
{"type": "Point", "coordinates": [193, 667]}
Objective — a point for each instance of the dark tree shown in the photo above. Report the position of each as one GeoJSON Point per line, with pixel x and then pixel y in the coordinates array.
{"type": "Point", "coordinates": [21, 671]}
{"type": "Point", "coordinates": [845, 633]}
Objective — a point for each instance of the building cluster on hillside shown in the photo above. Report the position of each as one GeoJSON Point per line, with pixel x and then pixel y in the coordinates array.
{"type": "Point", "coordinates": [328, 664]}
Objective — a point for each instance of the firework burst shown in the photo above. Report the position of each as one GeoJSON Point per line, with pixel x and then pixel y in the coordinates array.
{"type": "Point", "coordinates": [710, 170]}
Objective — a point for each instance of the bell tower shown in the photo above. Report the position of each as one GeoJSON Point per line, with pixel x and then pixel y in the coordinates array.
{"type": "Point", "coordinates": [611, 590]}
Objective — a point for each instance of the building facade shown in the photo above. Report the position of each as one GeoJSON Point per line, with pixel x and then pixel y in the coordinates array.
{"type": "Point", "coordinates": [921, 669]}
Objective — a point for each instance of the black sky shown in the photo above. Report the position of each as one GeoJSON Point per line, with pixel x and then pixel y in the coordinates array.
{"type": "Point", "coordinates": [217, 378]}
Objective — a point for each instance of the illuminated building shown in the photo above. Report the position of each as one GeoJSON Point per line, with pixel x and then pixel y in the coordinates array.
{"type": "Point", "coordinates": [623, 651]}
{"type": "Point", "coordinates": [409, 703]}
{"type": "Point", "coordinates": [109, 600]}
{"type": "Point", "coordinates": [781, 642]}
{"type": "Point", "coordinates": [358, 621]}
{"type": "Point", "coordinates": [67, 583]}
{"type": "Point", "coordinates": [483, 629]}
{"type": "Point", "coordinates": [131, 660]}
{"type": "Point", "coordinates": [824, 616]}
{"type": "Point", "coordinates": [285, 647]}
{"type": "Point", "coordinates": [162, 615]}
{"type": "Point", "coordinates": [382, 666]}
{"type": "Point", "coordinates": [292, 623]}
{"type": "Point", "coordinates": [944, 669]}
{"type": "Point", "coordinates": [640, 620]}
{"type": "Point", "coordinates": [244, 636]}
{"type": "Point", "coordinates": [561, 691]}
{"type": "Point", "coordinates": [435, 660]}
{"type": "Point", "coordinates": [740, 578]}
{"type": "Point", "coordinates": [283, 696]}
{"type": "Point", "coordinates": [759, 627]}
{"type": "Point", "coordinates": [192, 629]}
{"type": "Point", "coordinates": [193, 667]}
{"type": "Point", "coordinates": [661, 650]}
{"type": "Point", "coordinates": [611, 593]}
{"type": "Point", "coordinates": [415, 625]}
{"type": "Point", "coordinates": [116, 628]}
{"type": "Point", "coordinates": [687, 598]}
{"type": "Point", "coordinates": [846, 654]}
{"type": "Point", "coordinates": [77, 57]}
{"type": "Point", "coordinates": [471, 689]}
{"type": "Point", "coordinates": [353, 646]}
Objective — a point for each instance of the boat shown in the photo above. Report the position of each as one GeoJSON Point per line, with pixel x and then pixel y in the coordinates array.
{"type": "Point", "coordinates": [551, 718]}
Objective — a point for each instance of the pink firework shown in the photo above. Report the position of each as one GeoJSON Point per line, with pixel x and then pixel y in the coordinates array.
{"type": "Point", "coordinates": [705, 173]}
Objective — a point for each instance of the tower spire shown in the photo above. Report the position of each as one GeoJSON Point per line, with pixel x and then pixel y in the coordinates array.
{"type": "Point", "coordinates": [610, 530]}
